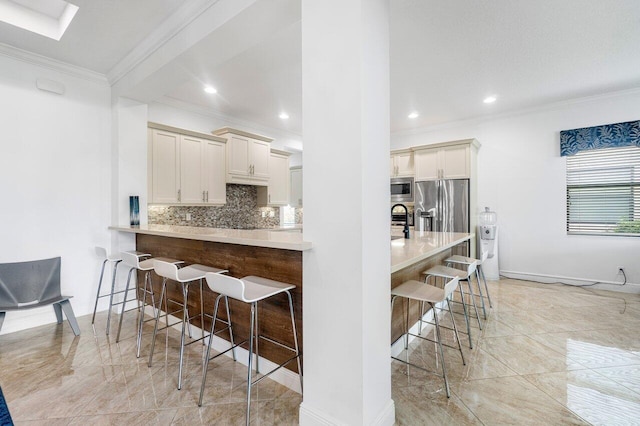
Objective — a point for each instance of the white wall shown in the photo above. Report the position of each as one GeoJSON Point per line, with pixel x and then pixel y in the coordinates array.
{"type": "Point", "coordinates": [522, 177]}
{"type": "Point", "coordinates": [55, 179]}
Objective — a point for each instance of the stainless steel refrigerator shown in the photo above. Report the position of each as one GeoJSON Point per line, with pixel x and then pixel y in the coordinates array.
{"type": "Point", "coordinates": [443, 205]}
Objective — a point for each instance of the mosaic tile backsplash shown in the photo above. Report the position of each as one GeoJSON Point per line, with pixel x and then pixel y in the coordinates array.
{"type": "Point", "coordinates": [241, 211]}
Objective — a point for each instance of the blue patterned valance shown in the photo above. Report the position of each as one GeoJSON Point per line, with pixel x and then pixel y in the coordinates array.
{"type": "Point", "coordinates": [598, 137]}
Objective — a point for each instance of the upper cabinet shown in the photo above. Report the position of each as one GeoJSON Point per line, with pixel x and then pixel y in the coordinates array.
{"type": "Point", "coordinates": [186, 167]}
{"type": "Point", "coordinates": [247, 156]}
{"type": "Point", "coordinates": [402, 163]}
{"type": "Point", "coordinates": [295, 198]}
{"type": "Point", "coordinates": [449, 160]}
{"type": "Point", "coordinates": [276, 193]}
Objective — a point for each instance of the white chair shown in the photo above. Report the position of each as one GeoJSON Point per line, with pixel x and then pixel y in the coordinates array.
{"type": "Point", "coordinates": [448, 273]}
{"type": "Point", "coordinates": [462, 260]}
{"type": "Point", "coordinates": [426, 293]}
{"type": "Point", "coordinates": [137, 261]}
{"type": "Point", "coordinates": [184, 276]}
{"type": "Point", "coordinates": [114, 260]}
{"type": "Point", "coordinates": [250, 290]}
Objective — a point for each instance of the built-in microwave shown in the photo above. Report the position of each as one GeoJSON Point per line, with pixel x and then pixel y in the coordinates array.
{"type": "Point", "coordinates": [402, 190]}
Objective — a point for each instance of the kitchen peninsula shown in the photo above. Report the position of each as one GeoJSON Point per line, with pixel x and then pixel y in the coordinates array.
{"type": "Point", "coordinates": [275, 254]}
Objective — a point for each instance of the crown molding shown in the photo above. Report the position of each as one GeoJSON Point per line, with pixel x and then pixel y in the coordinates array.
{"type": "Point", "coordinates": [175, 23]}
{"type": "Point", "coordinates": [514, 113]}
{"type": "Point", "coordinates": [52, 64]}
{"type": "Point", "coordinates": [233, 121]}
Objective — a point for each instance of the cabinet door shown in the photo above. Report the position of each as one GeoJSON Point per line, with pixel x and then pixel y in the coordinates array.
{"type": "Point", "coordinates": [191, 184]}
{"type": "Point", "coordinates": [259, 155]}
{"type": "Point", "coordinates": [455, 162]}
{"type": "Point", "coordinates": [295, 199]}
{"type": "Point", "coordinates": [426, 164]}
{"type": "Point", "coordinates": [279, 180]}
{"type": "Point", "coordinates": [238, 155]}
{"type": "Point", "coordinates": [165, 167]}
{"type": "Point", "coordinates": [215, 185]}
{"type": "Point", "coordinates": [404, 163]}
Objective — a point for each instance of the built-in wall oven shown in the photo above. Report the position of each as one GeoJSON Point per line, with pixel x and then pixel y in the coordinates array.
{"type": "Point", "coordinates": [402, 190]}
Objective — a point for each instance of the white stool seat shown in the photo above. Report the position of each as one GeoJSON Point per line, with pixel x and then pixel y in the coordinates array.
{"type": "Point", "coordinates": [196, 272]}
{"type": "Point", "coordinates": [258, 288]}
{"type": "Point", "coordinates": [446, 272]}
{"type": "Point", "coordinates": [417, 290]}
{"type": "Point", "coordinates": [456, 258]}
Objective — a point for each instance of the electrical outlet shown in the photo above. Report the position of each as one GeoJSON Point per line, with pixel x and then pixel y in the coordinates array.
{"type": "Point", "coordinates": [272, 213]}
{"type": "Point", "coordinates": [187, 216]}
{"type": "Point", "coordinates": [264, 214]}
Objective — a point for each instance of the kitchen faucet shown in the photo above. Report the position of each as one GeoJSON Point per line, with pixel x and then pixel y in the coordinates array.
{"type": "Point", "coordinates": [405, 230]}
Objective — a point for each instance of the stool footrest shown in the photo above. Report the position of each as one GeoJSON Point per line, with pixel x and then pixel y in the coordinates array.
{"type": "Point", "coordinates": [434, 341]}
{"type": "Point", "coordinates": [417, 366]}
{"type": "Point", "coordinates": [277, 368]}
{"type": "Point", "coordinates": [277, 343]}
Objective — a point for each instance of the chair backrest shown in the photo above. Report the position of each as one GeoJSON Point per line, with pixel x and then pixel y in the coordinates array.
{"type": "Point", "coordinates": [101, 252]}
{"type": "Point", "coordinates": [471, 268]}
{"type": "Point", "coordinates": [224, 284]}
{"type": "Point", "coordinates": [450, 286]}
{"type": "Point", "coordinates": [28, 283]}
{"type": "Point", "coordinates": [166, 269]}
{"type": "Point", "coordinates": [130, 259]}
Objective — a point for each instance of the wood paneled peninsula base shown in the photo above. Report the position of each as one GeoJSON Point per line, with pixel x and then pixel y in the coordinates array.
{"type": "Point", "coordinates": [410, 257]}
{"type": "Point", "coordinates": [276, 255]}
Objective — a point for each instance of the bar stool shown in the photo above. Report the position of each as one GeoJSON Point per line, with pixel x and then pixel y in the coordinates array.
{"type": "Point", "coordinates": [136, 262]}
{"type": "Point", "coordinates": [448, 273]}
{"type": "Point", "coordinates": [479, 273]}
{"type": "Point", "coordinates": [115, 260]}
{"type": "Point", "coordinates": [417, 290]}
{"type": "Point", "coordinates": [250, 290]}
{"type": "Point", "coordinates": [184, 276]}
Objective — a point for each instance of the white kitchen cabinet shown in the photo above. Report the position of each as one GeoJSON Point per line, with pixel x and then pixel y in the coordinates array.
{"type": "Point", "coordinates": [248, 157]}
{"type": "Point", "coordinates": [187, 168]}
{"type": "Point", "coordinates": [295, 198]}
{"type": "Point", "coordinates": [276, 193]}
{"type": "Point", "coordinates": [450, 160]}
{"type": "Point", "coordinates": [402, 163]}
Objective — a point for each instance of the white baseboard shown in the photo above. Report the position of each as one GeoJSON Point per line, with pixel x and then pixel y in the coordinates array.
{"type": "Point", "coordinates": [283, 376]}
{"type": "Point", "coordinates": [309, 416]}
{"type": "Point", "coordinates": [578, 282]}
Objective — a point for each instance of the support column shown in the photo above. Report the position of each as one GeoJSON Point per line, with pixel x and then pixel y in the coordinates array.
{"type": "Point", "coordinates": [345, 86]}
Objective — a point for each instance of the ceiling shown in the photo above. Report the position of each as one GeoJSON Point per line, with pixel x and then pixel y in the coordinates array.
{"type": "Point", "coordinates": [446, 57]}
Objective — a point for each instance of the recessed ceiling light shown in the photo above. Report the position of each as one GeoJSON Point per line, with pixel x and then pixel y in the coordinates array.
{"type": "Point", "coordinates": [490, 99]}
{"type": "Point", "coordinates": [284, 116]}
{"type": "Point", "coordinates": [210, 89]}
{"type": "Point", "coordinates": [49, 18]}
{"type": "Point", "coordinates": [414, 114]}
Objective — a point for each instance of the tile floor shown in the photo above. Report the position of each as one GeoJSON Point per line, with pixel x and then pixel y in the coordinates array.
{"type": "Point", "coordinates": [548, 354]}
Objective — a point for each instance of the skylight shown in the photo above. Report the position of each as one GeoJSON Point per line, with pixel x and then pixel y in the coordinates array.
{"type": "Point", "coordinates": [49, 18]}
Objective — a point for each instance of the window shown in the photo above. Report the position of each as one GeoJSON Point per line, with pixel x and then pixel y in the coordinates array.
{"type": "Point", "coordinates": [603, 192]}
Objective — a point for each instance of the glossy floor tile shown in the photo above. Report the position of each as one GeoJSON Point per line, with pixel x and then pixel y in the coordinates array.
{"type": "Point", "coordinates": [546, 354]}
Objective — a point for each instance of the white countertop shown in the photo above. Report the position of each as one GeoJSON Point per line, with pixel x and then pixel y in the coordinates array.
{"type": "Point", "coordinates": [272, 238]}
{"type": "Point", "coordinates": [421, 245]}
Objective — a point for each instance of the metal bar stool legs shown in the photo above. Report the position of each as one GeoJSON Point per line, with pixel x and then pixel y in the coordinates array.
{"type": "Point", "coordinates": [101, 252]}
{"type": "Point", "coordinates": [184, 276]}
